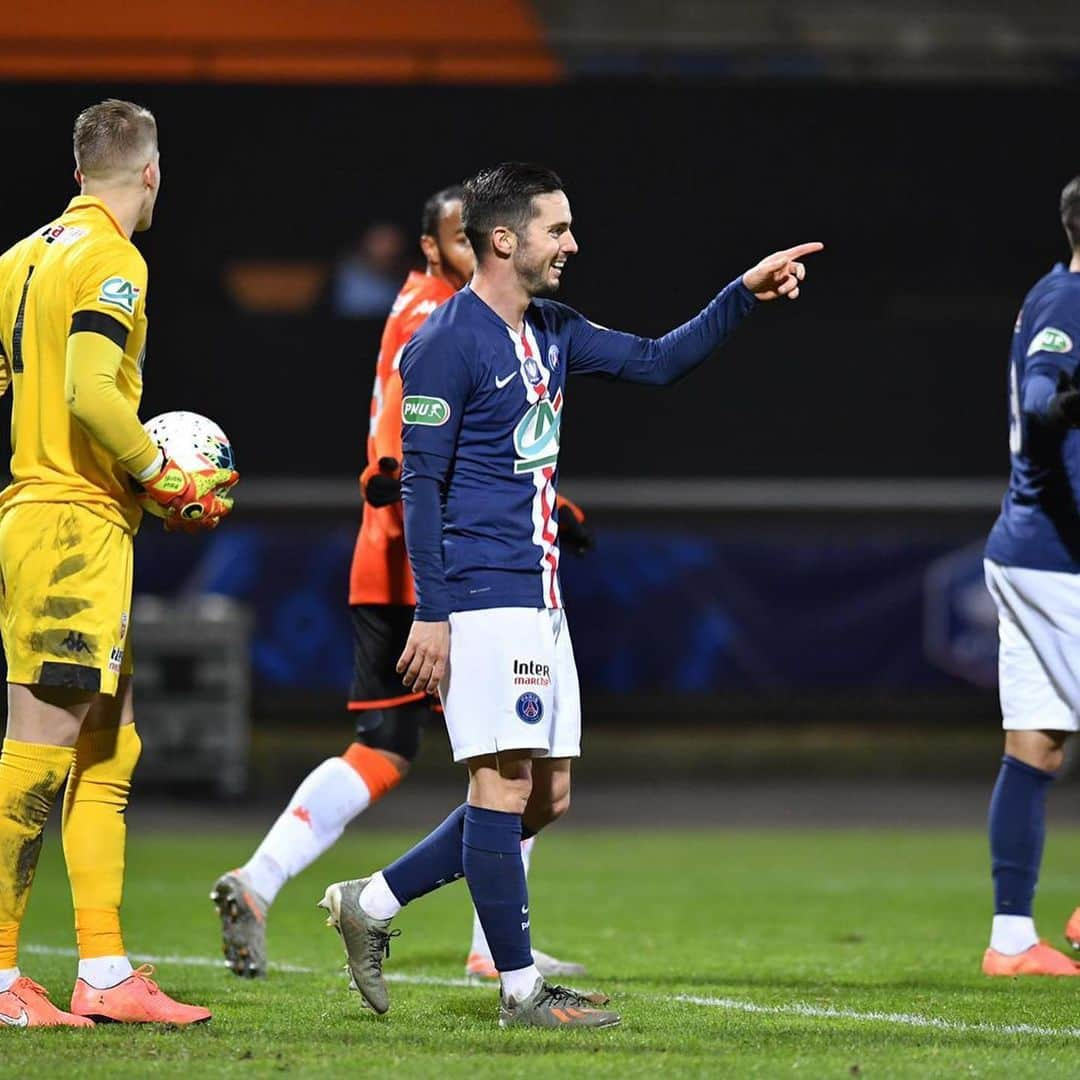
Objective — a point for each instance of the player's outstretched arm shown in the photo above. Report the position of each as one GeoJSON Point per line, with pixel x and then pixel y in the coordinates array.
{"type": "Point", "coordinates": [663, 361]}
{"type": "Point", "coordinates": [781, 273]}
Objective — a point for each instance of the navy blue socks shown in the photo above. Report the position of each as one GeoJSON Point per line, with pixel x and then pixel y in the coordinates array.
{"type": "Point", "coordinates": [1017, 832]}
{"type": "Point", "coordinates": [435, 861]}
{"type": "Point", "coordinates": [496, 877]}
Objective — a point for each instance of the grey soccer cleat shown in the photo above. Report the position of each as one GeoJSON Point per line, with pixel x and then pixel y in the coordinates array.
{"type": "Point", "coordinates": [554, 1007]}
{"type": "Point", "coordinates": [243, 925]}
{"type": "Point", "coordinates": [367, 940]}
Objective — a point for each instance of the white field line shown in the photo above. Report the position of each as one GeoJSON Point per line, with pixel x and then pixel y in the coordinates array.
{"type": "Point", "coordinates": [826, 1012]}
{"type": "Point", "coordinates": [794, 1008]}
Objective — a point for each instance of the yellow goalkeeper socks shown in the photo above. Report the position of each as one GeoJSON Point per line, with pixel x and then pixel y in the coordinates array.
{"type": "Point", "coordinates": [94, 836]}
{"type": "Point", "coordinates": [31, 775]}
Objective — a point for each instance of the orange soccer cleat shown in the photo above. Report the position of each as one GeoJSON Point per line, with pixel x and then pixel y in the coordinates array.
{"type": "Point", "coordinates": [25, 1004]}
{"type": "Point", "coordinates": [1040, 959]}
{"type": "Point", "coordinates": [136, 1000]}
{"type": "Point", "coordinates": [479, 968]}
{"type": "Point", "coordinates": [1072, 929]}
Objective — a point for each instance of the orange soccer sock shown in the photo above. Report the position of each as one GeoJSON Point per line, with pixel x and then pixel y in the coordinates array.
{"type": "Point", "coordinates": [31, 775]}
{"type": "Point", "coordinates": [377, 772]}
{"type": "Point", "coordinates": [95, 834]}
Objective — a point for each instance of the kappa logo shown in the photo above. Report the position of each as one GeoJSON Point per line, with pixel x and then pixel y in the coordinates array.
{"type": "Point", "coordinates": [75, 642]}
{"type": "Point", "coordinates": [1050, 339]}
{"type": "Point", "coordinates": [530, 708]}
{"type": "Point", "coordinates": [425, 307]}
{"type": "Point", "coordinates": [119, 292]}
{"type": "Point", "coordinates": [429, 411]}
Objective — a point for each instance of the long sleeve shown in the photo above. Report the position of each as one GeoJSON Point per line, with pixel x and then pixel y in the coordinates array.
{"type": "Point", "coordinates": [659, 361]}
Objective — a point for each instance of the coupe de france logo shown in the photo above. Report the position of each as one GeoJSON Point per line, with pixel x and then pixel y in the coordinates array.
{"type": "Point", "coordinates": [536, 437]}
{"type": "Point", "coordinates": [119, 292]}
{"type": "Point", "coordinates": [530, 708]}
{"type": "Point", "coordinates": [429, 411]}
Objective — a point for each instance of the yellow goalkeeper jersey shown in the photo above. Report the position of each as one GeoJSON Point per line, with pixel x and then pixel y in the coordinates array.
{"type": "Point", "coordinates": [79, 273]}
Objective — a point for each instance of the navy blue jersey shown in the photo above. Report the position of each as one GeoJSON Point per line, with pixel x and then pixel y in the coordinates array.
{"type": "Point", "coordinates": [1039, 524]}
{"type": "Point", "coordinates": [482, 409]}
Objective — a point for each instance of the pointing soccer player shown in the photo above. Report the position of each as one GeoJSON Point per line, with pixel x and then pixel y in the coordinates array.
{"type": "Point", "coordinates": [382, 600]}
{"type": "Point", "coordinates": [484, 385]}
{"type": "Point", "coordinates": [72, 344]}
{"type": "Point", "coordinates": [1033, 573]}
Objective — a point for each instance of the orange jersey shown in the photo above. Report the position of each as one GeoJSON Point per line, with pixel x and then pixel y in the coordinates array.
{"type": "Point", "coordinates": [380, 568]}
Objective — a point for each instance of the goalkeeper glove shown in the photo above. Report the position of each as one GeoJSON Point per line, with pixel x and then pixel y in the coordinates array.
{"type": "Point", "coordinates": [381, 483]}
{"type": "Point", "coordinates": [1063, 409]}
{"type": "Point", "coordinates": [189, 501]}
{"type": "Point", "coordinates": [573, 533]}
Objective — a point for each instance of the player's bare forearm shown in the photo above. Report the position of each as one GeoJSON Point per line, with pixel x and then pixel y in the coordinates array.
{"type": "Point", "coordinates": [423, 663]}
{"type": "Point", "coordinates": [780, 274]}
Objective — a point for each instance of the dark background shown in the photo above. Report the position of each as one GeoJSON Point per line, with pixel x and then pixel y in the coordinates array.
{"type": "Point", "coordinates": [938, 205]}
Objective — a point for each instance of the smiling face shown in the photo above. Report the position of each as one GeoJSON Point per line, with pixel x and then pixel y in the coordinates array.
{"type": "Point", "coordinates": [544, 245]}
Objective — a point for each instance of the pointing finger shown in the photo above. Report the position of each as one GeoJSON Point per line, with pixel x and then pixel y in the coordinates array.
{"type": "Point", "coordinates": [800, 250]}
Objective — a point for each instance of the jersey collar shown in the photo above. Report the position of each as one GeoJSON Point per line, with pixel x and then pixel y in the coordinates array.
{"type": "Point", "coordinates": [88, 202]}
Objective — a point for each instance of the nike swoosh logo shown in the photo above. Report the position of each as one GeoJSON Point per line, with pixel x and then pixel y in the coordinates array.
{"type": "Point", "coordinates": [500, 383]}
{"type": "Point", "coordinates": [524, 910]}
{"type": "Point", "coordinates": [22, 1020]}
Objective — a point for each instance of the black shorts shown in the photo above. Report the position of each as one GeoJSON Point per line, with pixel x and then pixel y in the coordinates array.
{"type": "Point", "coordinates": [379, 635]}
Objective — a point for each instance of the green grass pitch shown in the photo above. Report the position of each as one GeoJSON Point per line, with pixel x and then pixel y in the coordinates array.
{"type": "Point", "coordinates": [773, 953]}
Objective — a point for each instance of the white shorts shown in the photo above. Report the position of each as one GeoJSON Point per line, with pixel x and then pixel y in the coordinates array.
{"type": "Point", "coordinates": [511, 684]}
{"type": "Point", "coordinates": [1039, 647]}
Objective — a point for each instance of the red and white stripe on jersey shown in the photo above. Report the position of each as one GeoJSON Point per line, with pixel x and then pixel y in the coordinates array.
{"type": "Point", "coordinates": [545, 530]}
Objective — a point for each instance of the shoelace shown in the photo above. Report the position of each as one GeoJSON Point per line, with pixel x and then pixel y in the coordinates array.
{"type": "Point", "coordinates": [144, 971]}
{"type": "Point", "coordinates": [29, 984]}
{"type": "Point", "coordinates": [563, 995]}
{"type": "Point", "coordinates": [379, 946]}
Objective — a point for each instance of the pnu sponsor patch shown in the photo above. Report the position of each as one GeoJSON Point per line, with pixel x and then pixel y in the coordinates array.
{"type": "Point", "coordinates": [430, 411]}
{"type": "Point", "coordinates": [119, 292]}
{"type": "Point", "coordinates": [1050, 339]}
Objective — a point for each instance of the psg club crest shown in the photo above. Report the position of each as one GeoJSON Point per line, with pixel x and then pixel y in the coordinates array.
{"type": "Point", "coordinates": [530, 708]}
{"type": "Point", "coordinates": [553, 357]}
{"type": "Point", "coordinates": [532, 371]}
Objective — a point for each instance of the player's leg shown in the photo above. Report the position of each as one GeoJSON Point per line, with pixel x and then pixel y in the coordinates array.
{"type": "Point", "coordinates": [1036, 683]}
{"type": "Point", "coordinates": [95, 836]}
{"type": "Point", "coordinates": [338, 790]}
{"type": "Point", "coordinates": [48, 618]}
{"type": "Point", "coordinates": [42, 728]}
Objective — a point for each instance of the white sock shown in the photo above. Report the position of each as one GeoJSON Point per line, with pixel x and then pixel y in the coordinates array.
{"type": "Point", "coordinates": [378, 900]}
{"type": "Point", "coordinates": [479, 946]}
{"type": "Point", "coordinates": [105, 971]}
{"type": "Point", "coordinates": [1013, 934]}
{"type": "Point", "coordinates": [7, 978]}
{"type": "Point", "coordinates": [327, 800]}
{"type": "Point", "coordinates": [518, 984]}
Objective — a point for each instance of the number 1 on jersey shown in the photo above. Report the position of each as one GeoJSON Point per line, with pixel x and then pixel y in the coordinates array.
{"type": "Point", "coordinates": [17, 333]}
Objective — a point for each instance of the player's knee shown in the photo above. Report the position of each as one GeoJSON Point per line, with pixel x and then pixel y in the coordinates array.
{"type": "Point", "coordinates": [1043, 750]}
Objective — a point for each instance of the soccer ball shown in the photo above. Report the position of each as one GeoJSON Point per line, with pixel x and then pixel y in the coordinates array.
{"type": "Point", "coordinates": [193, 442]}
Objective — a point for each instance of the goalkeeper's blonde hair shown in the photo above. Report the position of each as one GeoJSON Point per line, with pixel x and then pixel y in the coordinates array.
{"type": "Point", "coordinates": [113, 137]}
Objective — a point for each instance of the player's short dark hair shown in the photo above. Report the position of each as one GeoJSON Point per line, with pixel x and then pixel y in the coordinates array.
{"type": "Point", "coordinates": [503, 195]}
{"type": "Point", "coordinates": [113, 135]}
{"type": "Point", "coordinates": [1070, 211]}
{"type": "Point", "coordinates": [433, 208]}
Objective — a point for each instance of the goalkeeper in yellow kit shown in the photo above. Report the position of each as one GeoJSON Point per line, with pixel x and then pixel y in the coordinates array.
{"type": "Point", "coordinates": [72, 345]}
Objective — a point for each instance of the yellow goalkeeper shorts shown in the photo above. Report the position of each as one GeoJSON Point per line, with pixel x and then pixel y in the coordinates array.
{"type": "Point", "coordinates": [65, 596]}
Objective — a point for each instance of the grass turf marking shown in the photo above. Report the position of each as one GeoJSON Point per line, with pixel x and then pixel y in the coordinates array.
{"type": "Point", "coordinates": [794, 1008]}
{"type": "Point", "coordinates": [826, 1012]}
